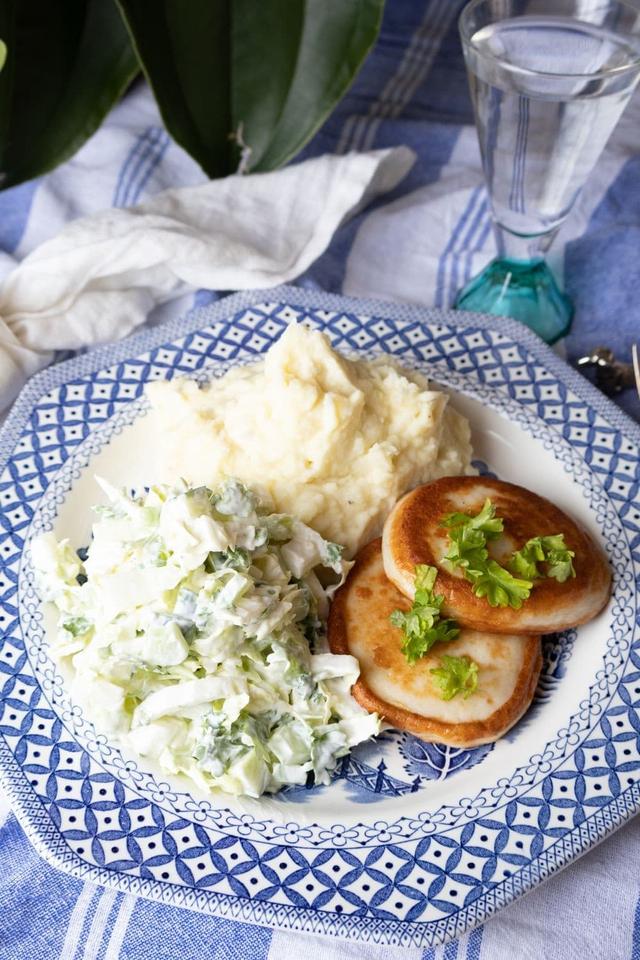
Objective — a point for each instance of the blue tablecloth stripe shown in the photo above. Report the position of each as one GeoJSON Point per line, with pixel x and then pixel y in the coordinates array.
{"type": "Point", "coordinates": [66, 918]}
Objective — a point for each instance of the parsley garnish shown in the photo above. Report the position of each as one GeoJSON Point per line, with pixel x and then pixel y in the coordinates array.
{"type": "Point", "coordinates": [421, 625]}
{"type": "Point", "coordinates": [499, 587]}
{"type": "Point", "coordinates": [422, 628]}
{"type": "Point", "coordinates": [468, 538]}
{"type": "Point", "coordinates": [456, 675]}
{"type": "Point", "coordinates": [550, 550]}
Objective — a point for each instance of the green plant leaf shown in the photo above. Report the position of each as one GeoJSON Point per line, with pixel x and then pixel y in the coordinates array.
{"type": "Point", "coordinates": [316, 59]}
{"type": "Point", "coordinates": [67, 64]}
{"type": "Point", "coordinates": [271, 70]}
{"type": "Point", "coordinates": [185, 51]}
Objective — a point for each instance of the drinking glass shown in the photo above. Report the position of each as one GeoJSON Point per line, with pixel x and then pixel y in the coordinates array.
{"type": "Point", "coordinates": [549, 80]}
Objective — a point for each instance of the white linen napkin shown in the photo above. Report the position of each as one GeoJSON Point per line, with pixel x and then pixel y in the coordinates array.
{"type": "Point", "coordinates": [101, 275]}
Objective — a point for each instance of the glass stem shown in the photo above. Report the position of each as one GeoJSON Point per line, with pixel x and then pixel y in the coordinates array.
{"type": "Point", "coordinates": [524, 247]}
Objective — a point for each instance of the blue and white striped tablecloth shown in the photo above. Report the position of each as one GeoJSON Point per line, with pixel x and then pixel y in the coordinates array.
{"type": "Point", "coordinates": [420, 244]}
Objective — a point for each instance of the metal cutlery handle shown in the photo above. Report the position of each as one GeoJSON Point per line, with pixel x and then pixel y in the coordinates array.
{"type": "Point", "coordinates": [612, 375]}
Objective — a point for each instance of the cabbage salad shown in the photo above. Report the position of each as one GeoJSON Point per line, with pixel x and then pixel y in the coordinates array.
{"type": "Point", "coordinates": [193, 624]}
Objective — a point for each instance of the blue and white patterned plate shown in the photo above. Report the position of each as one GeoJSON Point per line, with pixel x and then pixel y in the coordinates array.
{"type": "Point", "coordinates": [412, 843]}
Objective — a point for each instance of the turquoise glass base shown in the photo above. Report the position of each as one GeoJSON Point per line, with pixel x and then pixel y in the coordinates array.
{"type": "Point", "coordinates": [523, 289]}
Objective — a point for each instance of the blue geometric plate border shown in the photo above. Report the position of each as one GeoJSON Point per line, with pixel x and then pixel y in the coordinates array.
{"type": "Point", "coordinates": [416, 882]}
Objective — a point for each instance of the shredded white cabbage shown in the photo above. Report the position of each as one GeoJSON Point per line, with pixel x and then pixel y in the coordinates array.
{"type": "Point", "coordinates": [194, 630]}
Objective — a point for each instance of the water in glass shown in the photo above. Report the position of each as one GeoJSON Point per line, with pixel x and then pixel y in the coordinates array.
{"type": "Point", "coordinates": [544, 111]}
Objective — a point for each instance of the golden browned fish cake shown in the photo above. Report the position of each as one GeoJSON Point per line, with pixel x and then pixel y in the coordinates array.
{"type": "Point", "coordinates": [405, 695]}
{"type": "Point", "coordinates": [413, 534]}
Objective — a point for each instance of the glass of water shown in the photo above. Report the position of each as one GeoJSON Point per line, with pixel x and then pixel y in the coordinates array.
{"type": "Point", "coordinates": [549, 80]}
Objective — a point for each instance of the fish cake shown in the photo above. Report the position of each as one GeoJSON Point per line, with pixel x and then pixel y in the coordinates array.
{"type": "Point", "coordinates": [413, 534]}
{"type": "Point", "coordinates": [405, 695]}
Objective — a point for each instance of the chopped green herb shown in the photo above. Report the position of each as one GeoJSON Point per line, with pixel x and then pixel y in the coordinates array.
{"type": "Point", "coordinates": [333, 553]}
{"type": "Point", "coordinates": [76, 626]}
{"type": "Point", "coordinates": [551, 550]}
{"type": "Point", "coordinates": [456, 675]}
{"type": "Point", "coordinates": [485, 522]}
{"type": "Point", "coordinates": [499, 586]}
{"type": "Point", "coordinates": [234, 558]}
{"type": "Point", "coordinates": [421, 625]}
{"type": "Point", "coordinates": [279, 527]}
{"type": "Point", "coordinates": [468, 538]}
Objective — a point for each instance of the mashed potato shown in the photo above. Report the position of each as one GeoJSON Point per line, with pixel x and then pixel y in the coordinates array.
{"type": "Point", "coordinates": [331, 440]}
